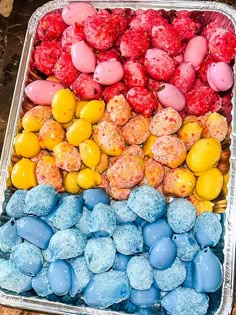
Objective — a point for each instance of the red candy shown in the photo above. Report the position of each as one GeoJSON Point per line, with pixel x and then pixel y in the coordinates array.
{"type": "Point", "coordinates": [64, 70]}
{"type": "Point", "coordinates": [51, 27]}
{"type": "Point", "coordinates": [184, 77]}
{"type": "Point", "coordinates": [114, 90]}
{"type": "Point", "coordinates": [134, 74]}
{"type": "Point", "coordinates": [71, 35]}
{"type": "Point", "coordinates": [108, 55]}
{"type": "Point", "coordinates": [185, 27]}
{"type": "Point", "coordinates": [86, 88]}
{"type": "Point", "coordinates": [204, 66]}
{"type": "Point", "coordinates": [134, 43]}
{"type": "Point", "coordinates": [121, 20]}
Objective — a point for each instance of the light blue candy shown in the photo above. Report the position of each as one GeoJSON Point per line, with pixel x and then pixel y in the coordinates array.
{"type": "Point", "coordinates": [186, 245]}
{"type": "Point", "coordinates": [102, 220]}
{"type": "Point", "coordinates": [106, 289]}
{"type": "Point", "coordinates": [59, 276]}
{"type": "Point", "coordinates": [40, 283]}
{"type": "Point", "coordinates": [181, 215]}
{"type": "Point", "coordinates": [145, 298]}
{"type": "Point", "coordinates": [28, 258]}
{"type": "Point", "coordinates": [140, 222]}
{"type": "Point", "coordinates": [121, 262]}
{"type": "Point", "coordinates": [100, 254]}
{"type": "Point", "coordinates": [128, 307]}
{"type": "Point", "coordinates": [147, 203]}
{"type": "Point", "coordinates": [123, 213]}
{"type": "Point", "coordinates": [82, 225]}
{"type": "Point", "coordinates": [185, 301]}
{"type": "Point", "coordinates": [66, 244]}
{"type": "Point", "coordinates": [95, 196]}
{"type": "Point", "coordinates": [68, 212]}
{"type": "Point", "coordinates": [172, 277]}
{"type": "Point", "coordinates": [140, 273]}
{"type": "Point", "coordinates": [128, 239]}
{"type": "Point", "coordinates": [34, 231]}
{"type": "Point", "coordinates": [9, 236]}
{"type": "Point", "coordinates": [188, 282]}
{"type": "Point", "coordinates": [208, 229]}
{"type": "Point", "coordinates": [15, 206]}
{"type": "Point", "coordinates": [154, 231]}
{"type": "Point", "coordinates": [40, 200]}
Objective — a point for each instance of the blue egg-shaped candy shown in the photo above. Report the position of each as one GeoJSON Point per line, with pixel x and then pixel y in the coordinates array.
{"type": "Point", "coordinates": [208, 229]}
{"type": "Point", "coordinates": [9, 236]}
{"type": "Point", "coordinates": [83, 224]}
{"type": "Point", "coordinates": [59, 276]}
{"type": "Point", "coordinates": [106, 289]}
{"type": "Point", "coordinates": [95, 196]}
{"type": "Point", "coordinates": [28, 258]}
{"type": "Point", "coordinates": [16, 204]}
{"type": "Point", "coordinates": [40, 200]}
{"type": "Point", "coordinates": [145, 298]}
{"type": "Point", "coordinates": [154, 231]}
{"type": "Point", "coordinates": [34, 231]}
{"type": "Point", "coordinates": [188, 282]}
{"type": "Point", "coordinates": [121, 262]}
{"type": "Point", "coordinates": [40, 283]}
{"type": "Point", "coordinates": [123, 212]}
{"type": "Point", "coordinates": [207, 272]}
{"type": "Point", "coordinates": [186, 245]}
{"type": "Point", "coordinates": [163, 253]}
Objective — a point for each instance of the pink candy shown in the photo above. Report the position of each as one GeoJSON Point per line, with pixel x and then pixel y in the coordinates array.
{"type": "Point", "coordinates": [77, 12]}
{"type": "Point", "coordinates": [83, 57]}
{"type": "Point", "coordinates": [108, 72]}
{"type": "Point", "coordinates": [170, 96]}
{"type": "Point", "coordinates": [220, 76]}
{"type": "Point", "coordinates": [195, 51]}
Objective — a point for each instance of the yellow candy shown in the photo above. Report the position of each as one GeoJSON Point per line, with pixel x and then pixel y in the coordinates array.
{"type": "Point", "coordinates": [93, 111]}
{"type": "Point", "coordinates": [80, 130]}
{"type": "Point", "coordinates": [209, 185]}
{"type": "Point", "coordinates": [36, 117]}
{"type": "Point", "coordinates": [103, 164]}
{"type": "Point", "coordinates": [23, 174]}
{"type": "Point", "coordinates": [27, 144]}
{"type": "Point", "coordinates": [63, 106]}
{"type": "Point", "coordinates": [79, 106]}
{"type": "Point", "coordinates": [51, 134]}
{"type": "Point", "coordinates": [88, 179]}
{"type": "Point", "coordinates": [70, 182]}
{"type": "Point", "coordinates": [189, 133]}
{"type": "Point", "coordinates": [148, 144]}
{"type": "Point", "coordinates": [90, 153]}
{"type": "Point", "coordinates": [203, 155]}
{"type": "Point", "coordinates": [201, 205]}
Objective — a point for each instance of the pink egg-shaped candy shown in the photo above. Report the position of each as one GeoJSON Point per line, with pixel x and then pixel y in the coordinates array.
{"type": "Point", "coordinates": [195, 51]}
{"type": "Point", "coordinates": [83, 57]}
{"type": "Point", "coordinates": [41, 91]}
{"type": "Point", "coordinates": [108, 72]}
{"type": "Point", "coordinates": [170, 96]}
{"type": "Point", "coordinates": [77, 12]}
{"type": "Point", "coordinates": [220, 76]}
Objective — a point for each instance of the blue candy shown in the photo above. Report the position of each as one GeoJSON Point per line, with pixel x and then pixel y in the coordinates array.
{"type": "Point", "coordinates": [172, 277]}
{"type": "Point", "coordinates": [40, 200]}
{"type": "Point", "coordinates": [162, 253]}
{"type": "Point", "coordinates": [34, 231]}
{"type": "Point", "coordinates": [15, 206]}
{"type": "Point", "coordinates": [187, 246]}
{"type": "Point", "coordinates": [140, 273]}
{"type": "Point", "coordinates": [181, 215]}
{"type": "Point", "coordinates": [154, 231]}
{"type": "Point", "coordinates": [100, 254]}
{"type": "Point", "coordinates": [106, 289]}
{"type": "Point", "coordinates": [147, 203]}
{"type": "Point", "coordinates": [145, 298]}
{"type": "Point", "coordinates": [129, 307]}
{"type": "Point", "coordinates": [140, 222]}
{"type": "Point", "coordinates": [59, 276]}
{"type": "Point", "coordinates": [9, 236]}
{"type": "Point", "coordinates": [83, 224]}
{"type": "Point", "coordinates": [95, 196]}
{"type": "Point", "coordinates": [208, 229]}
{"type": "Point", "coordinates": [185, 301]}
{"type": "Point", "coordinates": [28, 258]}
{"type": "Point", "coordinates": [102, 220]}
{"type": "Point", "coordinates": [123, 213]}
{"type": "Point", "coordinates": [207, 272]}
{"type": "Point", "coordinates": [188, 282]}
{"type": "Point", "coordinates": [40, 283]}
{"type": "Point", "coordinates": [121, 262]}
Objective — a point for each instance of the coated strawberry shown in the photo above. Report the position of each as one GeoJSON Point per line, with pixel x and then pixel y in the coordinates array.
{"type": "Point", "coordinates": [134, 74]}
{"type": "Point", "coordinates": [86, 88]}
{"type": "Point", "coordinates": [64, 70]}
{"type": "Point", "coordinates": [134, 43]}
{"type": "Point", "coordinates": [71, 35]}
{"type": "Point", "coordinates": [51, 27]}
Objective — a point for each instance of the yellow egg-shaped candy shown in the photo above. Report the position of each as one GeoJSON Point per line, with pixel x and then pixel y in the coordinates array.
{"type": "Point", "coordinates": [148, 144]}
{"type": "Point", "coordinates": [189, 133]}
{"type": "Point", "coordinates": [93, 111]}
{"type": "Point", "coordinates": [50, 134]}
{"type": "Point", "coordinates": [63, 106]}
{"type": "Point", "coordinates": [88, 179]}
{"type": "Point", "coordinates": [80, 130]}
{"type": "Point", "coordinates": [204, 155]}
{"type": "Point", "coordinates": [79, 106]}
{"type": "Point", "coordinates": [70, 182]}
{"type": "Point", "coordinates": [23, 174]}
{"type": "Point", "coordinates": [36, 117]}
{"type": "Point", "coordinates": [90, 153]}
{"type": "Point", "coordinates": [27, 144]}
{"type": "Point", "coordinates": [209, 185]}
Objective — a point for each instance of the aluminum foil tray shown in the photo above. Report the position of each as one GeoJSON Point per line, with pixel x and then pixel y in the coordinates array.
{"type": "Point", "coordinates": [221, 301]}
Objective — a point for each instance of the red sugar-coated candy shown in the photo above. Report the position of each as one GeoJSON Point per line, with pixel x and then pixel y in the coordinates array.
{"type": "Point", "coordinates": [51, 27]}
{"type": "Point", "coordinates": [185, 27]}
{"type": "Point", "coordinates": [134, 74]}
{"type": "Point", "coordinates": [71, 35]}
{"type": "Point", "coordinates": [134, 43]}
{"type": "Point", "coordinates": [114, 90]}
{"type": "Point", "coordinates": [108, 55]}
{"type": "Point", "coordinates": [64, 70]}
{"type": "Point", "coordinates": [184, 77]}
{"type": "Point", "coordinates": [86, 88]}
{"type": "Point", "coordinates": [204, 66]}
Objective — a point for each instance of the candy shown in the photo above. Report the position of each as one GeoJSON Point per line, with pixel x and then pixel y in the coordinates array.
{"type": "Point", "coordinates": [21, 142]}
{"type": "Point", "coordinates": [40, 283]}
{"type": "Point", "coordinates": [87, 178]}
{"type": "Point", "coordinates": [145, 298]}
{"type": "Point", "coordinates": [23, 174]}
{"type": "Point", "coordinates": [215, 126]}
{"type": "Point", "coordinates": [86, 88]}
{"type": "Point", "coordinates": [190, 133]}
{"type": "Point", "coordinates": [82, 225]}
{"type": "Point", "coordinates": [51, 27]}
{"type": "Point", "coordinates": [154, 231]}
{"type": "Point", "coordinates": [67, 157]}
{"type": "Point", "coordinates": [93, 111]}
{"type": "Point", "coordinates": [15, 206]}
{"type": "Point", "coordinates": [90, 153]}
{"type": "Point", "coordinates": [77, 12]}
{"type": "Point", "coordinates": [118, 110]}
{"type": "Point", "coordinates": [63, 105]}
{"type": "Point", "coordinates": [50, 134]}
{"type": "Point", "coordinates": [9, 236]}
{"type": "Point", "coordinates": [196, 51]}
{"type": "Point", "coordinates": [135, 131]}
{"type": "Point", "coordinates": [36, 117]}
{"type": "Point", "coordinates": [122, 211]}
{"type": "Point", "coordinates": [83, 58]}
{"type": "Point", "coordinates": [186, 245]}
{"type": "Point", "coordinates": [94, 196]}
{"type": "Point", "coordinates": [79, 130]}
{"type": "Point", "coordinates": [129, 40]}
{"type": "Point", "coordinates": [170, 96]}
{"type": "Point", "coordinates": [59, 276]}
{"type": "Point", "coordinates": [153, 173]}
{"type": "Point", "coordinates": [108, 72]}
{"type": "Point", "coordinates": [220, 76]}
{"type": "Point", "coordinates": [134, 74]}
{"type": "Point", "coordinates": [184, 77]}
{"type": "Point", "coordinates": [114, 90]}
{"type": "Point", "coordinates": [121, 262]}
{"type": "Point", "coordinates": [64, 70]}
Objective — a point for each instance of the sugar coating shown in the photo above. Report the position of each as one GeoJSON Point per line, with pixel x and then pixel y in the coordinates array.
{"type": "Point", "coordinates": [66, 244]}
{"type": "Point", "coordinates": [9, 236]}
{"type": "Point", "coordinates": [172, 277]}
{"type": "Point", "coordinates": [40, 283]}
{"type": "Point", "coordinates": [123, 213]}
{"type": "Point", "coordinates": [140, 273]}
{"type": "Point", "coordinates": [106, 289]}
{"type": "Point", "coordinates": [128, 239]}
{"type": "Point", "coordinates": [11, 279]}
{"type": "Point", "coordinates": [100, 254]}
{"type": "Point", "coordinates": [185, 301]}
{"type": "Point", "coordinates": [16, 204]}
{"type": "Point", "coordinates": [208, 229]}
{"type": "Point", "coordinates": [102, 220]}
{"type": "Point", "coordinates": [82, 274]}
{"type": "Point", "coordinates": [181, 215]}
{"type": "Point", "coordinates": [147, 203]}
{"type": "Point", "coordinates": [82, 225]}
{"type": "Point", "coordinates": [187, 246]}
{"type": "Point", "coordinates": [68, 212]}
{"type": "Point", "coordinates": [40, 200]}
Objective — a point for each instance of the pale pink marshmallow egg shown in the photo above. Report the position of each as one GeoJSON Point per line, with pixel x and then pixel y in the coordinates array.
{"type": "Point", "coordinates": [170, 96]}
{"type": "Point", "coordinates": [195, 51]}
{"type": "Point", "coordinates": [77, 12]}
{"type": "Point", "coordinates": [108, 72]}
{"type": "Point", "coordinates": [83, 57]}
{"type": "Point", "coordinates": [220, 76]}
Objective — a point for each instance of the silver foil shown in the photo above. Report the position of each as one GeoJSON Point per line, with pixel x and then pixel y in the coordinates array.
{"type": "Point", "coordinates": [221, 301]}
